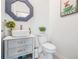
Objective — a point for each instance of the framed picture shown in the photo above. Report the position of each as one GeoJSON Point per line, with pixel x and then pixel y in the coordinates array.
{"type": "Point", "coordinates": [68, 7]}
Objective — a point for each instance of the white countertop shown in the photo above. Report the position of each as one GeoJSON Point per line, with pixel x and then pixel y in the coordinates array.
{"type": "Point", "coordinates": [18, 37]}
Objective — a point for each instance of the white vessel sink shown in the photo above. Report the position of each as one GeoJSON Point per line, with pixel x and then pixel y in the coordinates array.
{"type": "Point", "coordinates": [20, 33]}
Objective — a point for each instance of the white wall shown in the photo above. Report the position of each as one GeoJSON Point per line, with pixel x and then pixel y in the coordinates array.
{"type": "Point", "coordinates": [63, 31]}
{"type": "Point", "coordinates": [40, 18]}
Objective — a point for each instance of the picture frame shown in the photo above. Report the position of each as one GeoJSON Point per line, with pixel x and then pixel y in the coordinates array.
{"type": "Point", "coordinates": [68, 7]}
{"type": "Point", "coordinates": [8, 10]}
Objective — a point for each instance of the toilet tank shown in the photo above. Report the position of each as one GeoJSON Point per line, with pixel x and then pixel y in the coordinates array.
{"type": "Point", "coordinates": [42, 39]}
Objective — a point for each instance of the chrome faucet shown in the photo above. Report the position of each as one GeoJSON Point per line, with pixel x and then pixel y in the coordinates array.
{"type": "Point", "coordinates": [21, 27]}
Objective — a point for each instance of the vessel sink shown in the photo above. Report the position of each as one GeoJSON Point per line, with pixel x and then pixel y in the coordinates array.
{"type": "Point", "coordinates": [20, 33]}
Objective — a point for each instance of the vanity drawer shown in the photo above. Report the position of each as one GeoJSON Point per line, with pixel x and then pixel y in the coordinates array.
{"type": "Point", "coordinates": [19, 51]}
{"type": "Point", "coordinates": [19, 42]}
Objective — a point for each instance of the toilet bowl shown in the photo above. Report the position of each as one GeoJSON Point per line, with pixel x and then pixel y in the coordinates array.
{"type": "Point", "coordinates": [48, 48]}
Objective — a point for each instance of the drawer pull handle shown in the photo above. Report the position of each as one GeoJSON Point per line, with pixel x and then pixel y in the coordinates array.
{"type": "Point", "coordinates": [21, 42]}
{"type": "Point", "coordinates": [21, 50]}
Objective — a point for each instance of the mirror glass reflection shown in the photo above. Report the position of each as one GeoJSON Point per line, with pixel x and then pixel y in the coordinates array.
{"type": "Point", "coordinates": [20, 9]}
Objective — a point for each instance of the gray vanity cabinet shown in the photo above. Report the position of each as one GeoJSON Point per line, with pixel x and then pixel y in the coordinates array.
{"type": "Point", "coordinates": [19, 48]}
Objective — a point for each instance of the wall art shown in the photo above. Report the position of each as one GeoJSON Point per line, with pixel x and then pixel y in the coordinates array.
{"type": "Point", "coordinates": [68, 7]}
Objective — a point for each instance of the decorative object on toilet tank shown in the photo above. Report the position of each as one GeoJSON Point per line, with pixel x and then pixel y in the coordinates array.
{"type": "Point", "coordinates": [11, 25]}
{"type": "Point", "coordinates": [19, 10]}
{"type": "Point", "coordinates": [68, 7]}
{"type": "Point", "coordinates": [42, 29]}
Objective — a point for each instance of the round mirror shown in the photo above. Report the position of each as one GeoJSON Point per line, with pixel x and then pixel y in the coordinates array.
{"type": "Point", "coordinates": [20, 9]}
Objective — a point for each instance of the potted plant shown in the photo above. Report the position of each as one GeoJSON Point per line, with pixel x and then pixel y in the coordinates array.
{"type": "Point", "coordinates": [42, 29]}
{"type": "Point", "coordinates": [11, 25]}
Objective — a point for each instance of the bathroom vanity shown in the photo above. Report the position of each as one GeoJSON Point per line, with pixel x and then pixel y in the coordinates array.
{"type": "Point", "coordinates": [19, 47]}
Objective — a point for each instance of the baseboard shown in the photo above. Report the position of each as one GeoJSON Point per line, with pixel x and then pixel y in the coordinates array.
{"type": "Point", "coordinates": [60, 56]}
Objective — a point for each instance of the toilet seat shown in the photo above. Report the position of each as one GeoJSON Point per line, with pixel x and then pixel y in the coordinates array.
{"type": "Point", "coordinates": [48, 47]}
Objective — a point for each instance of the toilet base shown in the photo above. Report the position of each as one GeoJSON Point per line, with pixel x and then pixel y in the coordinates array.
{"type": "Point", "coordinates": [48, 56]}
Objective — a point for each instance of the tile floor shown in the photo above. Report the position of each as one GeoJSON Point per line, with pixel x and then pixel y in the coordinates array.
{"type": "Point", "coordinates": [55, 57]}
{"type": "Point", "coordinates": [42, 57]}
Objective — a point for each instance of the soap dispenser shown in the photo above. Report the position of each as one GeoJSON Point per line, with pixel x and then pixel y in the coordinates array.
{"type": "Point", "coordinates": [29, 30]}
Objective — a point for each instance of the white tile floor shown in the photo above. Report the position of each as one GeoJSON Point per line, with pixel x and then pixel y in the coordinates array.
{"type": "Point", "coordinates": [42, 57]}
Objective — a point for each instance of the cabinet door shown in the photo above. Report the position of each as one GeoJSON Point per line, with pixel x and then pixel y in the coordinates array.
{"type": "Point", "coordinates": [27, 49]}
{"type": "Point", "coordinates": [19, 42]}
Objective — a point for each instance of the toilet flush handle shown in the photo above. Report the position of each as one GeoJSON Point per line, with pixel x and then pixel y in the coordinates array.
{"type": "Point", "coordinates": [49, 41]}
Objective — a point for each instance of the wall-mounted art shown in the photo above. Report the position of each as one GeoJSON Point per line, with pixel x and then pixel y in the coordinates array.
{"type": "Point", "coordinates": [68, 7]}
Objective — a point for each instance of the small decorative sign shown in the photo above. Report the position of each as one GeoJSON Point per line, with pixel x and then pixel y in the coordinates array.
{"type": "Point", "coordinates": [68, 7]}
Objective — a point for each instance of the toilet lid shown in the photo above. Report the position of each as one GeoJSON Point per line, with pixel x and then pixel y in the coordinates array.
{"type": "Point", "coordinates": [49, 46]}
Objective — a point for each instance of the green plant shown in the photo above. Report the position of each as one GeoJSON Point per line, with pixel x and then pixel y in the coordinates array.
{"type": "Point", "coordinates": [42, 29]}
{"type": "Point", "coordinates": [10, 24]}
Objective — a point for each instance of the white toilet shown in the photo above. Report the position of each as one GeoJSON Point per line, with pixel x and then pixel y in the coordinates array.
{"type": "Point", "coordinates": [48, 48]}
